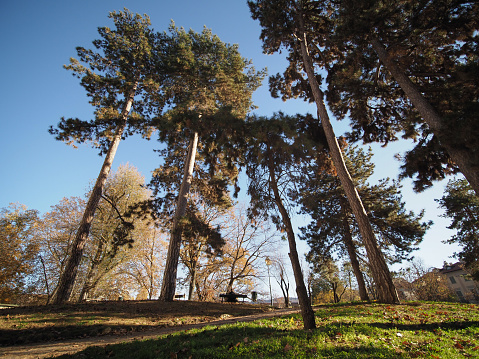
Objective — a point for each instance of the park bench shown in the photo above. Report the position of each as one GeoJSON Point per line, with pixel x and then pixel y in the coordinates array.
{"type": "Point", "coordinates": [232, 297]}
{"type": "Point", "coordinates": [178, 296]}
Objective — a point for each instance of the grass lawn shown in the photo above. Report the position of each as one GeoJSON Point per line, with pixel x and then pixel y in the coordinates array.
{"type": "Point", "coordinates": [353, 330]}
{"type": "Point", "coordinates": [40, 324]}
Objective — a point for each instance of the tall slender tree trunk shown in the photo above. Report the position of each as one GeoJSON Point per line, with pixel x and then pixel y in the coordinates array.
{"type": "Point", "coordinates": [348, 241]}
{"type": "Point", "coordinates": [306, 309]}
{"type": "Point", "coordinates": [68, 276]}
{"type": "Point", "coordinates": [45, 277]}
{"type": "Point", "coordinates": [92, 272]}
{"type": "Point", "coordinates": [462, 157]}
{"type": "Point", "coordinates": [192, 286]}
{"type": "Point", "coordinates": [285, 289]}
{"type": "Point", "coordinates": [382, 277]}
{"type": "Point", "coordinates": [363, 293]}
{"type": "Point", "coordinates": [168, 286]}
{"type": "Point", "coordinates": [151, 269]}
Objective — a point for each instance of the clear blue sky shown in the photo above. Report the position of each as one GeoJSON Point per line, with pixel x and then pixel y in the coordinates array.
{"type": "Point", "coordinates": [38, 37]}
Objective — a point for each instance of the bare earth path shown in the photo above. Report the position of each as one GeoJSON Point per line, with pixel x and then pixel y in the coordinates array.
{"type": "Point", "coordinates": [53, 349]}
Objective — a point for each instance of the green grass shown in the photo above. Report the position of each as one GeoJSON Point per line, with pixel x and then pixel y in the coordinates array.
{"type": "Point", "coordinates": [357, 330]}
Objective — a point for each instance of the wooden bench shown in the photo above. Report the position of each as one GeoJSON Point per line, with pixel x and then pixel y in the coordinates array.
{"type": "Point", "coordinates": [232, 297]}
{"type": "Point", "coordinates": [178, 296]}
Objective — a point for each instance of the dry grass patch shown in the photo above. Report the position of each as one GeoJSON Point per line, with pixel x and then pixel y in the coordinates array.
{"type": "Point", "coordinates": [56, 322]}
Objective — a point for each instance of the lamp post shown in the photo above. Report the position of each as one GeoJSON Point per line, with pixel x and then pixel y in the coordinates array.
{"type": "Point", "coordinates": [268, 263]}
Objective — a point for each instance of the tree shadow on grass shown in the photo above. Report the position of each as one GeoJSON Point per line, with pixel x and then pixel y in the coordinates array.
{"type": "Point", "coordinates": [458, 325]}
{"type": "Point", "coordinates": [72, 321]}
{"type": "Point", "coordinates": [140, 308]}
{"type": "Point", "coordinates": [332, 329]}
{"type": "Point", "coordinates": [10, 337]}
{"type": "Point", "coordinates": [237, 342]}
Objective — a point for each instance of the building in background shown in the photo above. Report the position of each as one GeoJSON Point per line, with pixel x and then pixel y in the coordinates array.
{"type": "Point", "coordinates": [466, 289]}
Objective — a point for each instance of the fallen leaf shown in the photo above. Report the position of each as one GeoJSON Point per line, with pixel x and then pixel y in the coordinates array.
{"type": "Point", "coordinates": [287, 347]}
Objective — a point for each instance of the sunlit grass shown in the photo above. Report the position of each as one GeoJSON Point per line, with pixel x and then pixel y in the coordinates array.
{"type": "Point", "coordinates": [412, 330]}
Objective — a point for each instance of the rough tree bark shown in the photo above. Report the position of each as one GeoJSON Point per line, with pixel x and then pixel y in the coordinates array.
{"type": "Point", "coordinates": [461, 157]}
{"type": "Point", "coordinates": [306, 309]}
{"type": "Point", "coordinates": [168, 286]}
{"type": "Point", "coordinates": [363, 293]}
{"type": "Point", "coordinates": [380, 271]}
{"type": "Point", "coordinates": [348, 241]}
{"type": "Point", "coordinates": [68, 276]}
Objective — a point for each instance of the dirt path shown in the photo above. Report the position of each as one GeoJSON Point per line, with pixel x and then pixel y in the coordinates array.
{"type": "Point", "coordinates": [53, 349]}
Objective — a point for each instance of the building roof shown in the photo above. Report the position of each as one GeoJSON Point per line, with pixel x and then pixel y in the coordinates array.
{"type": "Point", "coordinates": [448, 268]}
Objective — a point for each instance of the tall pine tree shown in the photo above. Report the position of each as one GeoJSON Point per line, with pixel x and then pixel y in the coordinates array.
{"type": "Point", "coordinates": [122, 79]}
{"type": "Point", "coordinates": [277, 146]}
{"type": "Point", "coordinates": [462, 207]}
{"type": "Point", "coordinates": [410, 68]}
{"type": "Point", "coordinates": [211, 86]}
{"type": "Point", "coordinates": [295, 24]}
{"type": "Point", "coordinates": [333, 230]}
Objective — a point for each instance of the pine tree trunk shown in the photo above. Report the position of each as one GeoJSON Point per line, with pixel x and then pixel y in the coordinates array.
{"type": "Point", "coordinates": [168, 286]}
{"type": "Point", "coordinates": [67, 278]}
{"type": "Point", "coordinates": [461, 157]}
{"type": "Point", "coordinates": [306, 309]}
{"type": "Point", "coordinates": [363, 293]}
{"type": "Point", "coordinates": [348, 241]}
{"type": "Point", "coordinates": [382, 277]}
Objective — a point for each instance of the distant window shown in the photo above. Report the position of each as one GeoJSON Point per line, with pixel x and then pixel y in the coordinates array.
{"type": "Point", "coordinates": [453, 281]}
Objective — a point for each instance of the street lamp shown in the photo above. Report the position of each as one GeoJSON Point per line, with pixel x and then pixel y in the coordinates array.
{"type": "Point", "coordinates": [268, 263]}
